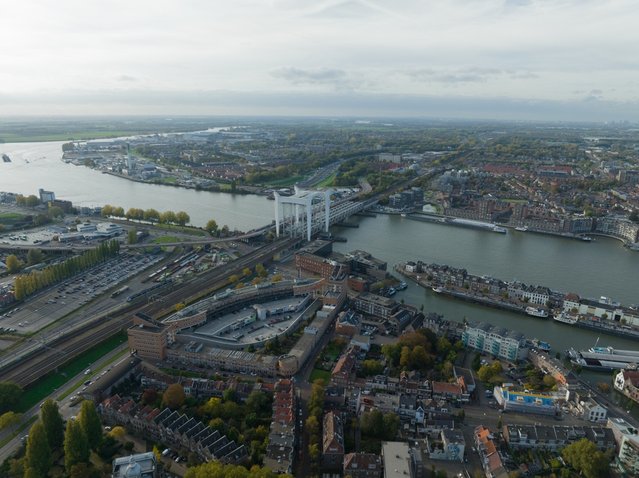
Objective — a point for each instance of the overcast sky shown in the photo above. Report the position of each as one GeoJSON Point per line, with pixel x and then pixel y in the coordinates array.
{"type": "Point", "coordinates": [537, 59]}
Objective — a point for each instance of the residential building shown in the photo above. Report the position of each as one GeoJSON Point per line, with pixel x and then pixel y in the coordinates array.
{"type": "Point", "coordinates": [447, 445]}
{"type": "Point", "coordinates": [397, 460]}
{"type": "Point", "coordinates": [280, 451]}
{"type": "Point", "coordinates": [376, 305]}
{"type": "Point", "coordinates": [627, 382]}
{"type": "Point", "coordinates": [363, 465]}
{"type": "Point", "coordinates": [490, 459]}
{"type": "Point", "coordinates": [627, 438]}
{"type": "Point", "coordinates": [496, 341]}
{"type": "Point", "coordinates": [554, 438]}
{"type": "Point", "coordinates": [332, 442]}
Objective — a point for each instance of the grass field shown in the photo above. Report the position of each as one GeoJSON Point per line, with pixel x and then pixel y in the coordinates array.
{"type": "Point", "coordinates": [184, 229]}
{"type": "Point", "coordinates": [165, 239]}
{"type": "Point", "coordinates": [10, 217]}
{"type": "Point", "coordinates": [322, 374]}
{"type": "Point", "coordinates": [286, 181]}
{"type": "Point", "coordinates": [45, 386]}
{"type": "Point", "coordinates": [73, 135]}
{"type": "Point", "coordinates": [327, 182]}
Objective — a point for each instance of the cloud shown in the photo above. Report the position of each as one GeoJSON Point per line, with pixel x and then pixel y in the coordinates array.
{"type": "Point", "coordinates": [467, 75]}
{"type": "Point", "coordinates": [317, 76]}
{"type": "Point", "coordinates": [127, 78]}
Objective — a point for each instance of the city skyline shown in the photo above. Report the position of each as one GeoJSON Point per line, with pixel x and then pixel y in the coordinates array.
{"type": "Point", "coordinates": [520, 59]}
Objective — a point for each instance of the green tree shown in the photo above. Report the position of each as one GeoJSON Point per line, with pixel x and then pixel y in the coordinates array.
{"type": "Point", "coordinates": [90, 423]}
{"type": "Point", "coordinates": [53, 423]}
{"type": "Point", "coordinates": [173, 396]}
{"type": "Point", "coordinates": [9, 420]}
{"type": "Point", "coordinates": [584, 457]}
{"type": "Point", "coordinates": [13, 263]}
{"type": "Point", "coordinates": [10, 394]}
{"type": "Point", "coordinates": [34, 256]}
{"type": "Point", "coordinates": [390, 426]}
{"type": "Point", "coordinates": [132, 236]}
{"type": "Point", "coordinates": [117, 211]}
{"type": "Point", "coordinates": [182, 218]}
{"type": "Point", "coordinates": [168, 217]}
{"type": "Point", "coordinates": [76, 445]}
{"type": "Point", "coordinates": [404, 358]}
{"type": "Point", "coordinates": [38, 452]}
{"type": "Point", "coordinates": [151, 215]}
{"type": "Point", "coordinates": [211, 226]}
{"type": "Point", "coordinates": [107, 210]}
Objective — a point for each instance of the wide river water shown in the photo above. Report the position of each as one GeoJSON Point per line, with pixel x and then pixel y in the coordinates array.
{"type": "Point", "coordinates": [603, 267]}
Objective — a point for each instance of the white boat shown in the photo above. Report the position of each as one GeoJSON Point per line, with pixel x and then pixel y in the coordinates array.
{"type": "Point", "coordinates": [521, 229]}
{"type": "Point", "coordinates": [537, 312]}
{"type": "Point", "coordinates": [565, 318]}
{"type": "Point", "coordinates": [541, 345]}
{"type": "Point", "coordinates": [438, 290]}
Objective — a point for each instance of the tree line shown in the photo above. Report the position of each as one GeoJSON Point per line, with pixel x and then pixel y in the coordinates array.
{"type": "Point", "coordinates": [153, 216]}
{"type": "Point", "coordinates": [28, 284]}
{"type": "Point", "coordinates": [48, 438]}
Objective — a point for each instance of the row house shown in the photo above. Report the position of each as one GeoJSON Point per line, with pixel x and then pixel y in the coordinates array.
{"type": "Point", "coordinates": [363, 465]}
{"type": "Point", "coordinates": [529, 293]}
{"type": "Point", "coordinates": [604, 308]}
{"type": "Point", "coordinates": [554, 438]}
{"type": "Point", "coordinates": [173, 429]}
{"type": "Point", "coordinates": [456, 391]}
{"type": "Point", "coordinates": [280, 451]}
{"type": "Point", "coordinates": [332, 442]}
{"type": "Point", "coordinates": [490, 459]}
{"type": "Point", "coordinates": [344, 370]}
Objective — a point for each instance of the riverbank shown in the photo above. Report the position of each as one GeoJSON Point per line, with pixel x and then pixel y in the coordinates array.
{"type": "Point", "coordinates": [518, 297]}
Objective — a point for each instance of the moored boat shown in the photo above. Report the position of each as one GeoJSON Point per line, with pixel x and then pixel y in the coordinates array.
{"type": "Point", "coordinates": [537, 312]}
{"type": "Point", "coordinates": [565, 318]}
{"type": "Point", "coordinates": [541, 345]}
{"type": "Point", "coordinates": [605, 358]}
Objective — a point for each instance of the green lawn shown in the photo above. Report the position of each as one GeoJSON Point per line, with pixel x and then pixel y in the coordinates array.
{"type": "Point", "coordinates": [323, 374]}
{"type": "Point", "coordinates": [184, 229]}
{"type": "Point", "coordinates": [290, 181]}
{"type": "Point", "coordinates": [74, 135]}
{"type": "Point", "coordinates": [327, 182]}
{"type": "Point", "coordinates": [45, 386]}
{"type": "Point", "coordinates": [10, 217]}
{"type": "Point", "coordinates": [165, 239]}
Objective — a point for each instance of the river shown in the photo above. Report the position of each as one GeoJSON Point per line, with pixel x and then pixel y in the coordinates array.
{"type": "Point", "coordinates": [602, 267]}
{"type": "Point", "coordinates": [39, 165]}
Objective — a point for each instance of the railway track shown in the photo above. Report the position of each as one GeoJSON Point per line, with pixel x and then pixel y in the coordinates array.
{"type": "Point", "coordinates": [41, 362]}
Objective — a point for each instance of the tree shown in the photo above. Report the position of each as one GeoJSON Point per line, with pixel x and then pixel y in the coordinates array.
{"type": "Point", "coordinates": [34, 256]}
{"type": "Point", "coordinates": [182, 218]}
{"type": "Point", "coordinates": [151, 215]}
{"type": "Point", "coordinates": [9, 420]}
{"type": "Point", "coordinates": [404, 358]}
{"type": "Point", "coordinates": [584, 457]}
{"type": "Point", "coordinates": [117, 211]}
{"type": "Point", "coordinates": [117, 432]}
{"type": "Point", "coordinates": [76, 445]}
{"type": "Point", "coordinates": [10, 394]}
{"type": "Point", "coordinates": [246, 272]}
{"type": "Point", "coordinates": [167, 217]}
{"type": "Point", "coordinates": [390, 426]}
{"type": "Point", "coordinates": [174, 396]}
{"type": "Point", "coordinates": [84, 470]}
{"type": "Point", "coordinates": [132, 236]}
{"type": "Point", "coordinates": [90, 423]}
{"type": "Point", "coordinates": [107, 210]}
{"type": "Point", "coordinates": [211, 226]}
{"type": "Point", "coordinates": [53, 423]}
{"type": "Point", "coordinates": [260, 270]}
{"type": "Point", "coordinates": [13, 263]}
{"type": "Point", "coordinates": [38, 452]}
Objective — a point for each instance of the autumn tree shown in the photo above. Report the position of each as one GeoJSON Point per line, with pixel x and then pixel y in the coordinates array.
{"type": "Point", "coordinates": [211, 226]}
{"type": "Point", "coordinates": [182, 218]}
{"type": "Point", "coordinates": [10, 394]}
{"type": "Point", "coordinates": [173, 396]}
{"type": "Point", "coordinates": [9, 420]}
{"type": "Point", "coordinates": [13, 263]}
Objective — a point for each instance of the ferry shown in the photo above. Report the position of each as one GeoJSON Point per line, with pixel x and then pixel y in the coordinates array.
{"type": "Point", "coordinates": [541, 345]}
{"type": "Point", "coordinates": [605, 358]}
{"type": "Point", "coordinates": [537, 312]}
{"type": "Point", "coordinates": [565, 318]}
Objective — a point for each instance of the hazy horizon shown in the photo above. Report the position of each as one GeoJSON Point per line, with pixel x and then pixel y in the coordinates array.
{"type": "Point", "coordinates": [540, 60]}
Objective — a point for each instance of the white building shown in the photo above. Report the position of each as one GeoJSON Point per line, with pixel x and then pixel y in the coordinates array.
{"type": "Point", "coordinates": [496, 341]}
{"type": "Point", "coordinates": [627, 438]}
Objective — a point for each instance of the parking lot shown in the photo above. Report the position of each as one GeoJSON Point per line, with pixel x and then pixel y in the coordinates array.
{"type": "Point", "coordinates": [72, 294]}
